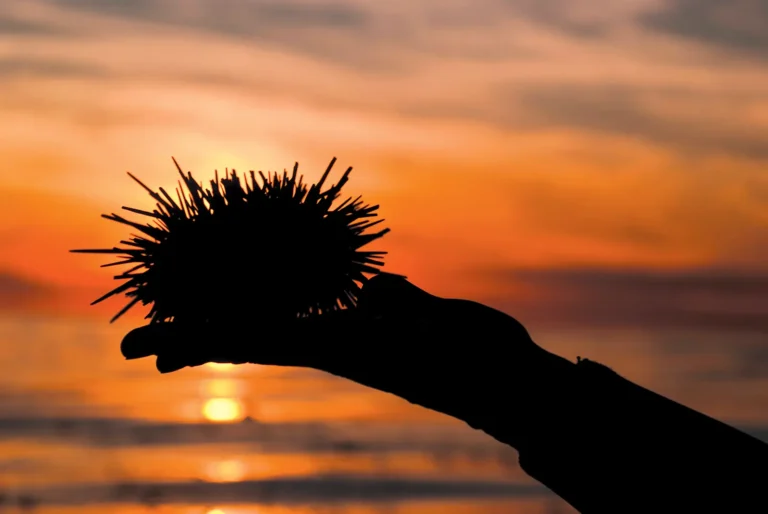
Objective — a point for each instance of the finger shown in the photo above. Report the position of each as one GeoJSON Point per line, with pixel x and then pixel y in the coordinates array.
{"type": "Point", "coordinates": [145, 341]}
{"type": "Point", "coordinates": [303, 342]}
{"type": "Point", "coordinates": [332, 338]}
{"type": "Point", "coordinates": [170, 362]}
{"type": "Point", "coordinates": [382, 294]}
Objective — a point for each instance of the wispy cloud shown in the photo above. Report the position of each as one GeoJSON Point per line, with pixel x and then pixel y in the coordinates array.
{"type": "Point", "coordinates": [15, 67]}
{"type": "Point", "coordinates": [524, 65]}
{"type": "Point", "coordinates": [650, 139]}
{"type": "Point", "coordinates": [741, 26]}
{"type": "Point", "coordinates": [638, 298]}
{"type": "Point", "coordinates": [17, 291]}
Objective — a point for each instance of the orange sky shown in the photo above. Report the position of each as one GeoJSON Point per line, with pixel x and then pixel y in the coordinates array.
{"type": "Point", "coordinates": [532, 155]}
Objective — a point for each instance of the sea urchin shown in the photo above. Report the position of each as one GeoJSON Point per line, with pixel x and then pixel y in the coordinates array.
{"type": "Point", "coordinates": [266, 249]}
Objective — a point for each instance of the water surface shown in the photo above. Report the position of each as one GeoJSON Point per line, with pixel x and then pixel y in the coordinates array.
{"type": "Point", "coordinates": [82, 430]}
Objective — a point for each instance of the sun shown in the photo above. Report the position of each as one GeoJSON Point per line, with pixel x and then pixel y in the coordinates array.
{"type": "Point", "coordinates": [223, 409]}
{"type": "Point", "coordinates": [220, 366]}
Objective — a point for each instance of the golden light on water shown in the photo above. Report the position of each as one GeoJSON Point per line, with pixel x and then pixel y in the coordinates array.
{"type": "Point", "coordinates": [226, 471]}
{"type": "Point", "coordinates": [216, 511]}
{"type": "Point", "coordinates": [221, 388]}
{"type": "Point", "coordinates": [223, 409]}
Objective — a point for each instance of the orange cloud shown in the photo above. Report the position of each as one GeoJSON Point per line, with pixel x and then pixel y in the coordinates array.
{"type": "Point", "coordinates": [503, 137]}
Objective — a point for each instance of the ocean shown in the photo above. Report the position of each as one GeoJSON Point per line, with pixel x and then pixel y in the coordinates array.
{"type": "Point", "coordinates": [82, 430]}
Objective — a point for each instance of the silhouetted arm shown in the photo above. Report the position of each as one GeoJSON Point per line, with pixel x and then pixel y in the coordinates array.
{"type": "Point", "coordinates": [599, 441]}
{"type": "Point", "coordinates": [607, 445]}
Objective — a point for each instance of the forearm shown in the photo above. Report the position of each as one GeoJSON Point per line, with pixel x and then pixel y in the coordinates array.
{"type": "Point", "coordinates": [607, 445]}
{"type": "Point", "coordinates": [602, 443]}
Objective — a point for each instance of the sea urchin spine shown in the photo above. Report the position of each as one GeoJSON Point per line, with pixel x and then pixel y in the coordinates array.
{"type": "Point", "coordinates": [266, 249]}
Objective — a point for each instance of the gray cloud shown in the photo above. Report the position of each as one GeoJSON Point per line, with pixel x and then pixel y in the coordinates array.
{"type": "Point", "coordinates": [740, 25]}
{"type": "Point", "coordinates": [13, 401]}
{"type": "Point", "coordinates": [230, 16]}
{"type": "Point", "coordinates": [626, 110]}
{"type": "Point", "coordinates": [367, 37]}
{"type": "Point", "coordinates": [745, 363]}
{"type": "Point", "coordinates": [17, 292]}
{"type": "Point", "coordinates": [557, 15]}
{"type": "Point", "coordinates": [361, 36]}
{"type": "Point", "coordinates": [14, 26]}
{"type": "Point", "coordinates": [340, 32]}
{"type": "Point", "coordinates": [614, 110]}
{"type": "Point", "coordinates": [611, 110]}
{"type": "Point", "coordinates": [698, 300]}
{"type": "Point", "coordinates": [19, 66]}
{"type": "Point", "coordinates": [14, 285]}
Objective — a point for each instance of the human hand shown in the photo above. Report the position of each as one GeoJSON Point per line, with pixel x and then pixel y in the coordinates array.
{"type": "Point", "coordinates": [436, 352]}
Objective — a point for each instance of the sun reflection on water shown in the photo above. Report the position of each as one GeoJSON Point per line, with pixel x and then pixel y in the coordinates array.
{"type": "Point", "coordinates": [222, 399]}
{"type": "Point", "coordinates": [226, 471]}
{"type": "Point", "coordinates": [221, 388]}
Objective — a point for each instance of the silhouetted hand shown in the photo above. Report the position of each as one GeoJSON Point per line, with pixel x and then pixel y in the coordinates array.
{"type": "Point", "coordinates": [400, 339]}
{"type": "Point", "coordinates": [599, 441]}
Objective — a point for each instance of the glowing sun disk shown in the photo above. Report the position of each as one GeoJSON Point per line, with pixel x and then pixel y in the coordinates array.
{"type": "Point", "coordinates": [222, 409]}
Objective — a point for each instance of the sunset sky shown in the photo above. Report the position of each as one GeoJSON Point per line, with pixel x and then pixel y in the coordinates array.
{"type": "Point", "coordinates": [590, 163]}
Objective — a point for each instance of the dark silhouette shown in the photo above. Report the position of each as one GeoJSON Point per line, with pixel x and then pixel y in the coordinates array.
{"type": "Point", "coordinates": [602, 443]}
{"type": "Point", "coordinates": [287, 245]}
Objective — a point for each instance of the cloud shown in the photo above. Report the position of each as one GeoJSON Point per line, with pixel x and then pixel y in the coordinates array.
{"type": "Point", "coordinates": [748, 362]}
{"type": "Point", "coordinates": [16, 400]}
{"type": "Point", "coordinates": [20, 292]}
{"type": "Point", "coordinates": [571, 19]}
{"type": "Point", "coordinates": [412, 93]}
{"type": "Point", "coordinates": [639, 298]}
{"type": "Point", "coordinates": [682, 117]}
{"type": "Point", "coordinates": [21, 466]}
{"type": "Point", "coordinates": [397, 37]}
{"type": "Point", "coordinates": [517, 66]}
{"type": "Point", "coordinates": [19, 27]}
{"type": "Point", "coordinates": [17, 66]}
{"type": "Point", "coordinates": [739, 25]}
{"type": "Point", "coordinates": [647, 114]}
{"type": "Point", "coordinates": [338, 32]}
{"type": "Point", "coordinates": [231, 16]}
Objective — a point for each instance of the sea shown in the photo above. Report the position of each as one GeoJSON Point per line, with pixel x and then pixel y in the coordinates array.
{"type": "Point", "coordinates": [84, 431]}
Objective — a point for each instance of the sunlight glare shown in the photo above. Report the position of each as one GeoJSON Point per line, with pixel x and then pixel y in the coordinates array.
{"type": "Point", "coordinates": [220, 366]}
{"type": "Point", "coordinates": [222, 409]}
{"type": "Point", "coordinates": [215, 511]}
